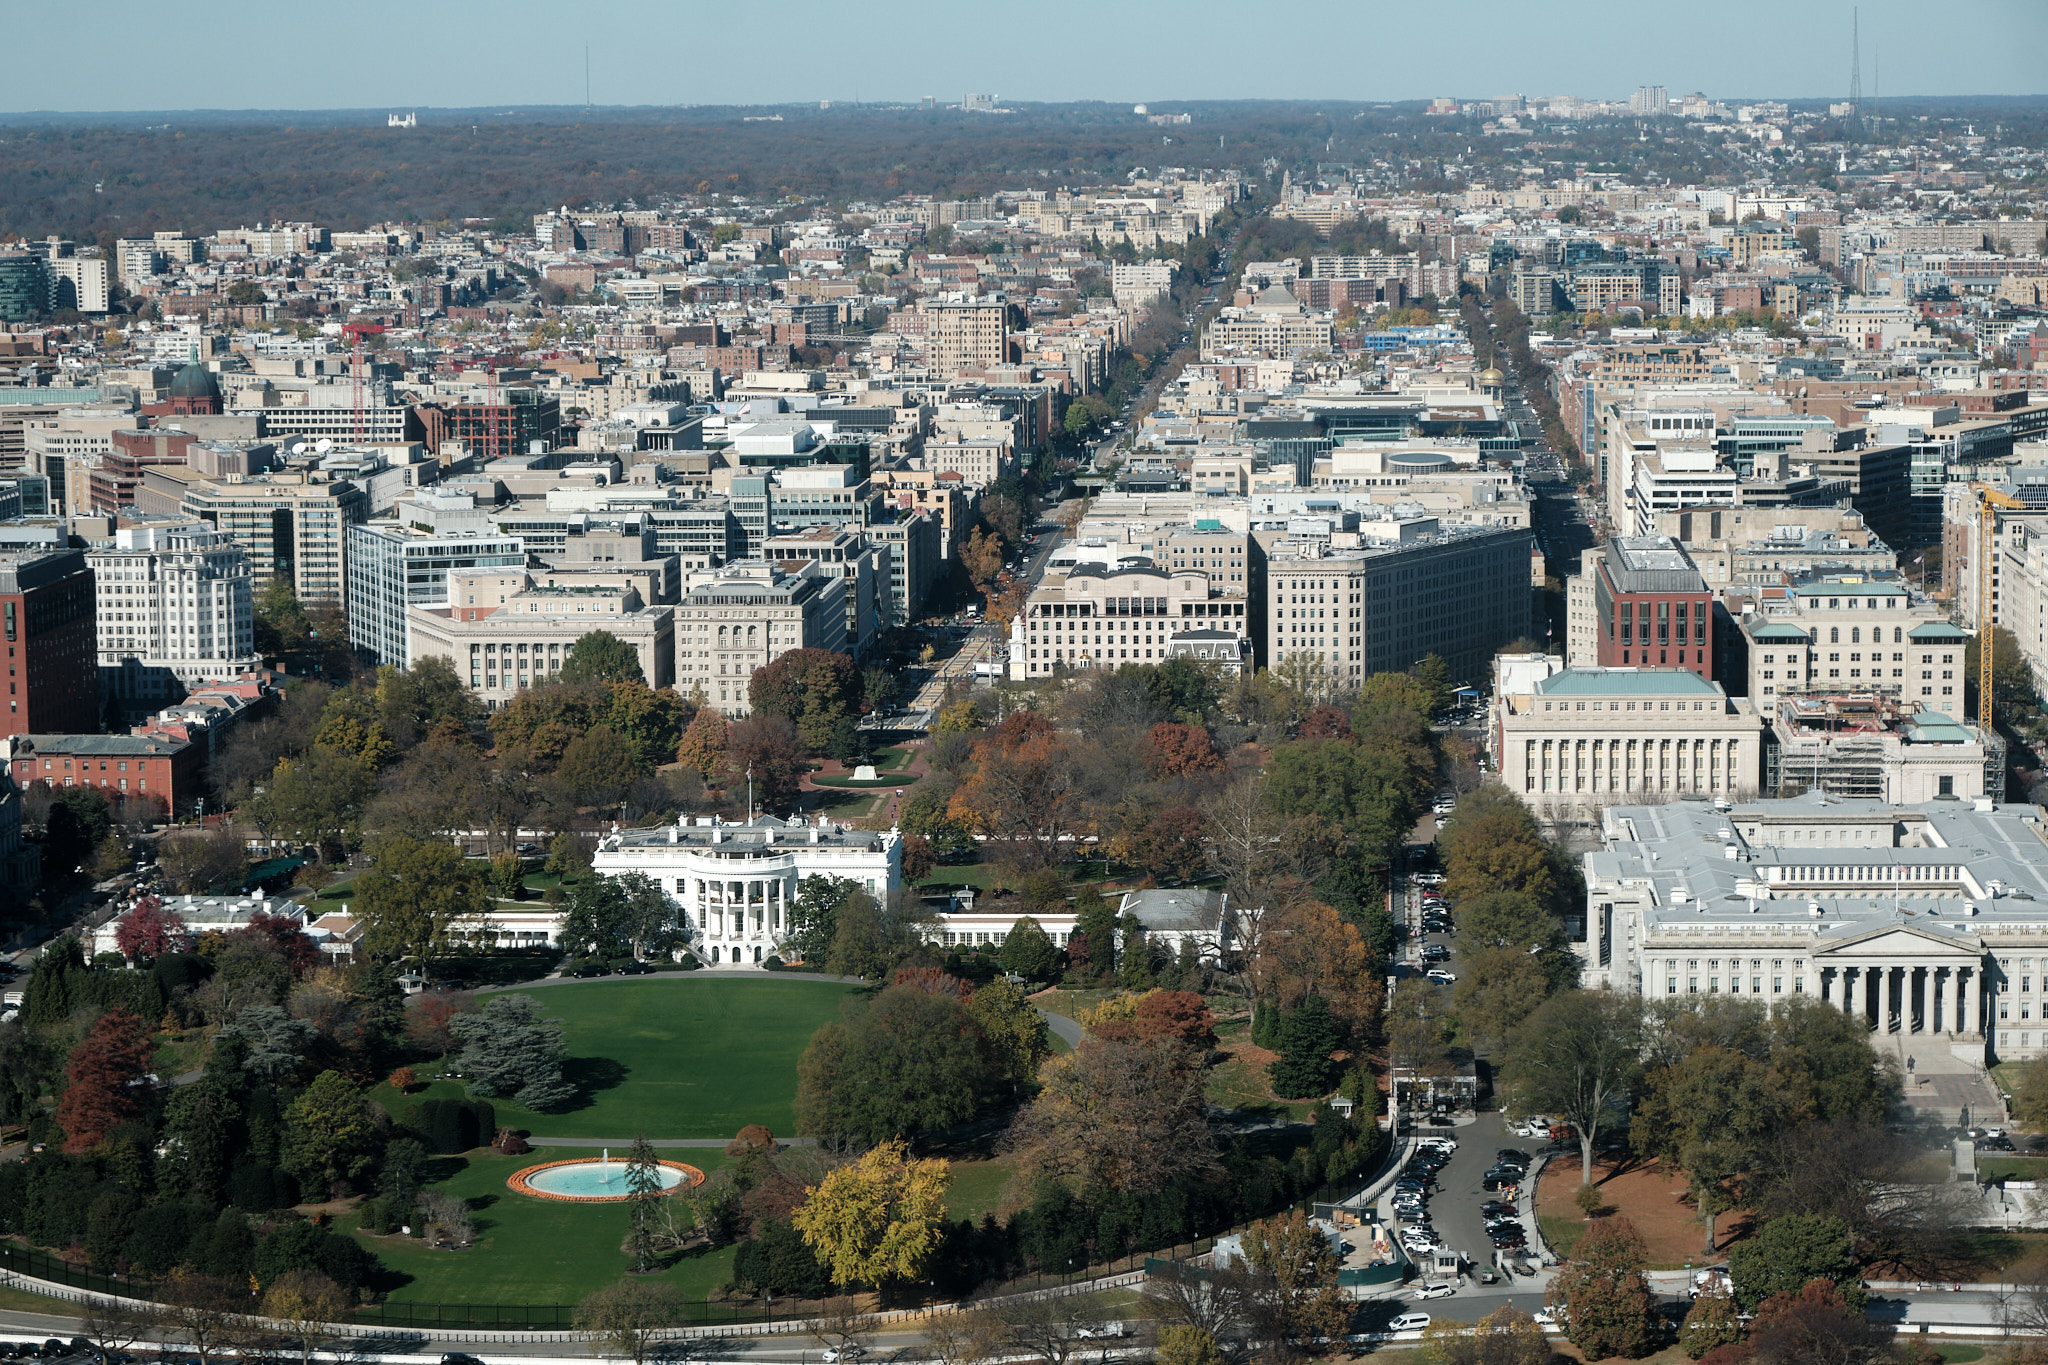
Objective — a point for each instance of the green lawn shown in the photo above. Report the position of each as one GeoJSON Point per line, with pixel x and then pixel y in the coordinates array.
{"type": "Point", "coordinates": [977, 1188]}
{"type": "Point", "coordinates": [21, 1301]}
{"type": "Point", "coordinates": [1562, 1233]}
{"type": "Point", "coordinates": [179, 1053]}
{"type": "Point", "coordinates": [895, 758]}
{"type": "Point", "coordinates": [673, 1056]}
{"type": "Point", "coordinates": [533, 1251]}
{"type": "Point", "coordinates": [2011, 1167]}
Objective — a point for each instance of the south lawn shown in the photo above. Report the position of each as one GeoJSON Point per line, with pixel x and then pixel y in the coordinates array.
{"type": "Point", "coordinates": [671, 1056]}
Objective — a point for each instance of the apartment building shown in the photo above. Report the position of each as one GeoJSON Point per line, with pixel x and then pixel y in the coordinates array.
{"type": "Point", "coordinates": [742, 617]}
{"type": "Point", "coordinates": [966, 334]}
{"type": "Point", "coordinates": [1274, 325]}
{"type": "Point", "coordinates": [175, 608]}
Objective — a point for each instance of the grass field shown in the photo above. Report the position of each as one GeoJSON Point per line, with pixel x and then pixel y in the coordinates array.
{"type": "Point", "coordinates": [1562, 1233]}
{"type": "Point", "coordinates": [977, 1188]}
{"type": "Point", "coordinates": [2011, 1167]}
{"type": "Point", "coordinates": [532, 1251]}
{"type": "Point", "coordinates": [676, 1056]}
{"type": "Point", "coordinates": [20, 1301]}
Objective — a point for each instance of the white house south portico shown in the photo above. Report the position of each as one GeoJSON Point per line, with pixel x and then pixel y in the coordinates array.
{"type": "Point", "coordinates": [737, 883]}
{"type": "Point", "coordinates": [1925, 922]}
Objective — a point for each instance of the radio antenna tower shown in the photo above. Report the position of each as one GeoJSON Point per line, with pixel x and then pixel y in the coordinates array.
{"type": "Point", "coordinates": [1855, 65]}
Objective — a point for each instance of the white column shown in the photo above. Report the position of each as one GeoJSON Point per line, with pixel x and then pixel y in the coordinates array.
{"type": "Point", "coordinates": [1967, 1003]}
{"type": "Point", "coordinates": [1851, 988]}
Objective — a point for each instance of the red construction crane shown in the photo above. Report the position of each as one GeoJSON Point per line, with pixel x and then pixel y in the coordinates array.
{"type": "Point", "coordinates": [355, 332]}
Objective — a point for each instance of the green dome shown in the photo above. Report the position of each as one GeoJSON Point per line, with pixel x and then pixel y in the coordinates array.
{"type": "Point", "coordinates": [195, 381]}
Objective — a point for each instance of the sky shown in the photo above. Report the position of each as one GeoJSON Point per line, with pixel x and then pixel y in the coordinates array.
{"type": "Point", "coordinates": [377, 54]}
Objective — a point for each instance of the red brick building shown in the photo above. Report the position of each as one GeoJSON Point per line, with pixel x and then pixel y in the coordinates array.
{"type": "Point", "coordinates": [49, 630]}
{"type": "Point", "coordinates": [153, 770]}
{"type": "Point", "coordinates": [1653, 607]}
{"type": "Point", "coordinates": [119, 472]}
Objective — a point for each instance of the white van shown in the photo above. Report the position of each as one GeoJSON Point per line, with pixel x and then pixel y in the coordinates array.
{"type": "Point", "coordinates": [1409, 1322]}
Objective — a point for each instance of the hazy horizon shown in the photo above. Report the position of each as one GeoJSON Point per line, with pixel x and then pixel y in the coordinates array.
{"type": "Point", "coordinates": [209, 57]}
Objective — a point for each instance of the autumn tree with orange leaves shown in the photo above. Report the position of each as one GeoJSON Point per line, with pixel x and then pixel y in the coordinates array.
{"type": "Point", "coordinates": [1023, 793]}
{"type": "Point", "coordinates": [1183, 750]}
{"type": "Point", "coordinates": [1309, 949]}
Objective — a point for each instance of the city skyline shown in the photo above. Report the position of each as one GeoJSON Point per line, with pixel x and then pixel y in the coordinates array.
{"type": "Point", "coordinates": [1598, 49]}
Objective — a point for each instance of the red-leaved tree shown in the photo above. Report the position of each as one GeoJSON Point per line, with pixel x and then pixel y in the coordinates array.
{"type": "Point", "coordinates": [1176, 1014]}
{"type": "Point", "coordinates": [1183, 750]}
{"type": "Point", "coordinates": [935, 981]}
{"type": "Point", "coordinates": [300, 952]}
{"type": "Point", "coordinates": [149, 931]}
{"type": "Point", "coordinates": [102, 1087]}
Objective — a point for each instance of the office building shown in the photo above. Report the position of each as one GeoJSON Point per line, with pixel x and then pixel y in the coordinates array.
{"type": "Point", "coordinates": [393, 567]}
{"type": "Point", "coordinates": [176, 609]}
{"type": "Point", "coordinates": [1347, 613]}
{"type": "Point", "coordinates": [503, 631]}
{"type": "Point", "coordinates": [1572, 740]}
{"type": "Point", "coordinates": [46, 616]}
{"type": "Point", "coordinates": [1105, 616]}
{"type": "Point", "coordinates": [740, 618]}
{"type": "Point", "coordinates": [1873, 747]}
{"type": "Point", "coordinates": [844, 552]}
{"type": "Point", "coordinates": [292, 527]}
{"type": "Point", "coordinates": [1922, 923]}
{"type": "Point", "coordinates": [1854, 634]}
{"type": "Point", "coordinates": [1651, 607]}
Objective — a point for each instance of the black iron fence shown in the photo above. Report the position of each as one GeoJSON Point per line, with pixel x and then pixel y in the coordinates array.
{"type": "Point", "coordinates": [43, 1266]}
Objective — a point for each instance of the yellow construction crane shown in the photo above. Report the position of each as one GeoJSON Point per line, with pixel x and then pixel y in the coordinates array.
{"type": "Point", "coordinates": [1989, 500]}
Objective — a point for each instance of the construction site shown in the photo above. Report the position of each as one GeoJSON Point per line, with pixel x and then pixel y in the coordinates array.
{"type": "Point", "coordinates": [1875, 747]}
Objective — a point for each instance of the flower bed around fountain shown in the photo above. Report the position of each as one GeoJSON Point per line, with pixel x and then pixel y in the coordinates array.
{"type": "Point", "coordinates": [592, 1180]}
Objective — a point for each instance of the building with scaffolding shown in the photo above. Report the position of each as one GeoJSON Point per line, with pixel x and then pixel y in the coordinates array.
{"type": "Point", "coordinates": [1871, 746]}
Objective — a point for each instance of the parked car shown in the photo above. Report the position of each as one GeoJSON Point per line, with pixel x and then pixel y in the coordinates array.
{"type": "Point", "coordinates": [1436, 1291]}
{"type": "Point", "coordinates": [832, 1355]}
{"type": "Point", "coordinates": [1512, 1154]}
{"type": "Point", "coordinates": [1438, 976]}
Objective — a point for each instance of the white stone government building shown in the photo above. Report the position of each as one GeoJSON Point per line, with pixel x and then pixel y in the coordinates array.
{"type": "Point", "coordinates": [737, 882]}
{"type": "Point", "coordinates": [1928, 922]}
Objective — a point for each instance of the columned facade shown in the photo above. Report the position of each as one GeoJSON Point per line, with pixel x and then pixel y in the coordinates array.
{"type": "Point", "coordinates": [736, 885]}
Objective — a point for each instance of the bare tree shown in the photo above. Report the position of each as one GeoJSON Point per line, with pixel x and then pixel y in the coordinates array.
{"type": "Point", "coordinates": [1864, 1176]}
{"type": "Point", "coordinates": [1183, 1295]}
{"type": "Point", "coordinates": [1051, 1328]}
{"type": "Point", "coordinates": [116, 1324]}
{"type": "Point", "coordinates": [205, 1312]}
{"type": "Point", "coordinates": [840, 1322]}
{"type": "Point", "coordinates": [626, 1320]}
{"type": "Point", "coordinates": [973, 1336]}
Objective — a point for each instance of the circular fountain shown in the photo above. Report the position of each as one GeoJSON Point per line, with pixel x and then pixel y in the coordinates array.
{"type": "Point", "coordinates": [596, 1180]}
